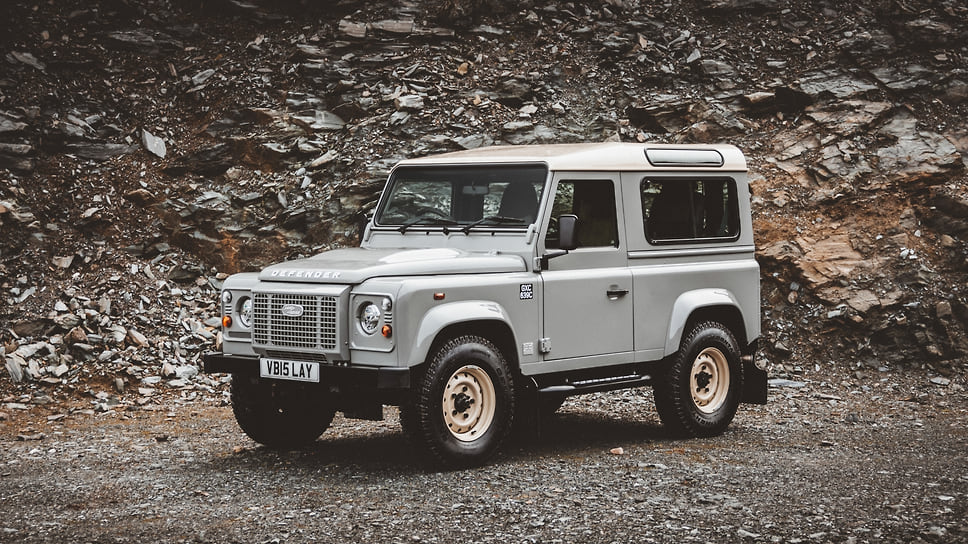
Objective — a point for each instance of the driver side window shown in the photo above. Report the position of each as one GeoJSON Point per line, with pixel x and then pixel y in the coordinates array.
{"type": "Point", "coordinates": [593, 201]}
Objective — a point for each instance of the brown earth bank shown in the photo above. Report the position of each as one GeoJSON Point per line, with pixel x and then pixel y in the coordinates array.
{"type": "Point", "coordinates": [148, 149]}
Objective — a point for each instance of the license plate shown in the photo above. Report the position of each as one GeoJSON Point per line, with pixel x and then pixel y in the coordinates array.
{"type": "Point", "coordinates": [280, 369]}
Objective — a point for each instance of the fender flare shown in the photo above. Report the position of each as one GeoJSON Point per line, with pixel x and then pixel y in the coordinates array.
{"type": "Point", "coordinates": [452, 313]}
{"type": "Point", "coordinates": [689, 302]}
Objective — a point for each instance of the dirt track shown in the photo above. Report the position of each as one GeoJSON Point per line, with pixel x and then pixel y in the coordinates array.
{"type": "Point", "coordinates": [820, 463]}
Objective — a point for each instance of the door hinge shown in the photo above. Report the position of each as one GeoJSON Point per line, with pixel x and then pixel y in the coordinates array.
{"type": "Point", "coordinates": [544, 345]}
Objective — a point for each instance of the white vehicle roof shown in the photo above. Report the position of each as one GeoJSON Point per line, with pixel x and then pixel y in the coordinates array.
{"type": "Point", "coordinates": [607, 156]}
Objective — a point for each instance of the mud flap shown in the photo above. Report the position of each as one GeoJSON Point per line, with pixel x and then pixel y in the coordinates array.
{"type": "Point", "coordinates": [754, 382]}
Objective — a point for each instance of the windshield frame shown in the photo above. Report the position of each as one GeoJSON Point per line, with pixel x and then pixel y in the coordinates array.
{"type": "Point", "coordinates": [471, 207]}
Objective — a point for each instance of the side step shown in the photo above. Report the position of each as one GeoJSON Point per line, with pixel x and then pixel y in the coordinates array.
{"type": "Point", "coordinates": [580, 387]}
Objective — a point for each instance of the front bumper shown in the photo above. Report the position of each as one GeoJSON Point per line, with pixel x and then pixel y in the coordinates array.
{"type": "Point", "coordinates": [343, 377]}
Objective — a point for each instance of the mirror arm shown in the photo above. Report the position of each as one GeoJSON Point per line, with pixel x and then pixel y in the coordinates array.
{"type": "Point", "coordinates": [550, 255]}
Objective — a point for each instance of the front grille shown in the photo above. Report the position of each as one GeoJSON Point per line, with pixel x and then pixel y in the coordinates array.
{"type": "Point", "coordinates": [313, 328]}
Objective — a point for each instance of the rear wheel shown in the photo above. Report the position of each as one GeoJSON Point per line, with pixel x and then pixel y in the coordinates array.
{"type": "Point", "coordinates": [464, 404]}
{"type": "Point", "coordinates": [699, 393]}
{"type": "Point", "coordinates": [279, 414]}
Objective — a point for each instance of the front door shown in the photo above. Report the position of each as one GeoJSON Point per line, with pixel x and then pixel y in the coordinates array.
{"type": "Point", "coordinates": [587, 293]}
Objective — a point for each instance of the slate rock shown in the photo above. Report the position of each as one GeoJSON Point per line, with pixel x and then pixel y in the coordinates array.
{"type": "Point", "coordinates": [99, 151]}
{"type": "Point", "coordinates": [154, 145]}
{"type": "Point", "coordinates": [836, 82]}
{"type": "Point", "coordinates": [10, 125]}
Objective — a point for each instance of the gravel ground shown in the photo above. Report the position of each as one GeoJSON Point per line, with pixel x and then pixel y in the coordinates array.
{"type": "Point", "coordinates": [881, 462]}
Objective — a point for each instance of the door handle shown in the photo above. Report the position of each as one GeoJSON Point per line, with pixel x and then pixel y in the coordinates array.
{"type": "Point", "coordinates": [614, 292]}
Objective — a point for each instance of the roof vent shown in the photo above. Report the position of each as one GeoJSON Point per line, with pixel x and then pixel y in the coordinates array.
{"type": "Point", "coordinates": [684, 157]}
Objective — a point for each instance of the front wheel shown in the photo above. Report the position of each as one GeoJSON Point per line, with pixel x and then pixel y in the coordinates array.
{"type": "Point", "coordinates": [279, 414]}
{"type": "Point", "coordinates": [463, 406]}
{"type": "Point", "coordinates": [699, 393]}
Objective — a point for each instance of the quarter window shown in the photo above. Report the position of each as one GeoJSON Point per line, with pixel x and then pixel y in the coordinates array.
{"type": "Point", "coordinates": [684, 210]}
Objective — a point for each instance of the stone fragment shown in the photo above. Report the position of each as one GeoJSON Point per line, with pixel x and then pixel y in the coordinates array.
{"type": "Point", "coordinates": [835, 82]}
{"type": "Point", "coordinates": [99, 151]}
{"type": "Point", "coordinates": [214, 160]}
{"type": "Point", "coordinates": [15, 364]}
{"type": "Point", "coordinates": [828, 259]}
{"type": "Point", "coordinates": [352, 29]}
{"type": "Point", "coordinates": [137, 338]}
{"type": "Point", "coordinates": [63, 262]}
{"type": "Point", "coordinates": [721, 69]}
{"type": "Point", "coordinates": [324, 159]}
{"type": "Point", "coordinates": [27, 58]}
{"type": "Point", "coordinates": [76, 335]}
{"type": "Point", "coordinates": [67, 321]}
{"type": "Point", "coordinates": [115, 334]}
{"type": "Point", "coordinates": [10, 125]}
{"type": "Point", "coordinates": [850, 116]}
{"type": "Point", "coordinates": [143, 41]}
{"type": "Point", "coordinates": [747, 535]}
{"type": "Point", "coordinates": [320, 120]}
{"type": "Point", "coordinates": [186, 372]}
{"type": "Point", "coordinates": [394, 26]}
{"type": "Point", "coordinates": [203, 76]}
{"type": "Point", "coordinates": [780, 382]}
{"type": "Point", "coordinates": [154, 145]}
{"type": "Point", "coordinates": [411, 102]}
{"type": "Point", "coordinates": [916, 155]}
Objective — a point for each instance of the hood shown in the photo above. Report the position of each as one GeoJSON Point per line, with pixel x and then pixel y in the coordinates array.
{"type": "Point", "coordinates": [355, 265]}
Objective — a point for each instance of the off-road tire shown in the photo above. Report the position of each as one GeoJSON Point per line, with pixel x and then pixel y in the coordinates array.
{"type": "Point", "coordinates": [699, 392]}
{"type": "Point", "coordinates": [463, 405]}
{"type": "Point", "coordinates": [278, 414]}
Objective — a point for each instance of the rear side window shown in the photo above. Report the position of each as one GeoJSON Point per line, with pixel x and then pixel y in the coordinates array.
{"type": "Point", "coordinates": [688, 210]}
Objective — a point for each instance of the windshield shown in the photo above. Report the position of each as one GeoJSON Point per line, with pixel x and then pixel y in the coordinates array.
{"type": "Point", "coordinates": [463, 197]}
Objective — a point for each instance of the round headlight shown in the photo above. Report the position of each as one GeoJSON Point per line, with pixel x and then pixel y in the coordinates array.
{"type": "Point", "coordinates": [245, 312]}
{"type": "Point", "coordinates": [369, 317]}
{"type": "Point", "coordinates": [226, 296]}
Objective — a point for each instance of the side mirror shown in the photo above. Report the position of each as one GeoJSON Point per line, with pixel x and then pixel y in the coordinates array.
{"type": "Point", "coordinates": [567, 239]}
{"type": "Point", "coordinates": [568, 232]}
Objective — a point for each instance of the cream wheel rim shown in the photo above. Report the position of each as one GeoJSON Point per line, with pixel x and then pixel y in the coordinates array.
{"type": "Point", "coordinates": [469, 403]}
{"type": "Point", "coordinates": [709, 380]}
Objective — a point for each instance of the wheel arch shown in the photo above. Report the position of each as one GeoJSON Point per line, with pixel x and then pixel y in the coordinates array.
{"type": "Point", "coordinates": [485, 319]}
{"type": "Point", "coordinates": [694, 307]}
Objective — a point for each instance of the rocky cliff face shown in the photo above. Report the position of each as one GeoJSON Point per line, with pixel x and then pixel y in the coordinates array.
{"type": "Point", "coordinates": [149, 148]}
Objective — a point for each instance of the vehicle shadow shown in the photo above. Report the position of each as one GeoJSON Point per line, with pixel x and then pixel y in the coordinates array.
{"type": "Point", "coordinates": [384, 449]}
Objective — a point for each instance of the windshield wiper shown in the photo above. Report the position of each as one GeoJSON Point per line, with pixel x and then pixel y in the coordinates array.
{"type": "Point", "coordinates": [427, 220]}
{"type": "Point", "coordinates": [495, 219]}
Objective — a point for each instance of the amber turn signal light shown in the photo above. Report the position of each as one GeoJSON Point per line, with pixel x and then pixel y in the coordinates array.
{"type": "Point", "coordinates": [226, 321]}
{"type": "Point", "coordinates": [387, 331]}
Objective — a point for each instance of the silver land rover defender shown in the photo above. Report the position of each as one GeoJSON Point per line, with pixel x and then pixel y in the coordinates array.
{"type": "Point", "coordinates": [493, 283]}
